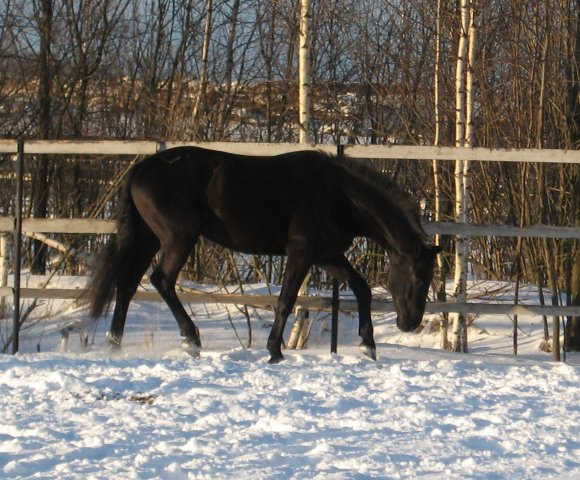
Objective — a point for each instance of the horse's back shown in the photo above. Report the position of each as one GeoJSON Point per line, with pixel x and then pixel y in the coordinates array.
{"type": "Point", "coordinates": [244, 177]}
{"type": "Point", "coordinates": [246, 203]}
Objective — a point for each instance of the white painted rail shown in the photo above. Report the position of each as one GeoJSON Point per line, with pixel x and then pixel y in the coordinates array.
{"type": "Point", "coordinates": [402, 152]}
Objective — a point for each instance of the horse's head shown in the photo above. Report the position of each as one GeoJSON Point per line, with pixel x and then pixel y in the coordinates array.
{"type": "Point", "coordinates": [408, 281]}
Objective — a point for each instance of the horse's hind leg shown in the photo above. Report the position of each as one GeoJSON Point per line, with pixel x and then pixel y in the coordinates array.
{"type": "Point", "coordinates": [175, 253]}
{"type": "Point", "coordinates": [341, 269]}
{"type": "Point", "coordinates": [127, 286]}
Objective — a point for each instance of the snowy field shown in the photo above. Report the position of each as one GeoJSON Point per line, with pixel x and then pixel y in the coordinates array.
{"type": "Point", "coordinates": [152, 412]}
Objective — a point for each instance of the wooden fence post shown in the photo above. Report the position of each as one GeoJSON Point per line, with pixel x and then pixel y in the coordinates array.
{"type": "Point", "coordinates": [17, 246]}
{"type": "Point", "coordinates": [335, 296]}
{"type": "Point", "coordinates": [3, 270]}
{"type": "Point", "coordinates": [334, 323]}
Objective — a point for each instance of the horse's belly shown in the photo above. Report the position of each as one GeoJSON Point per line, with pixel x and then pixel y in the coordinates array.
{"type": "Point", "coordinates": [245, 240]}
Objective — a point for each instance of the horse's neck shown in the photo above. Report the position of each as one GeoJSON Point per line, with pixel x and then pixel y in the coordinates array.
{"type": "Point", "coordinates": [387, 223]}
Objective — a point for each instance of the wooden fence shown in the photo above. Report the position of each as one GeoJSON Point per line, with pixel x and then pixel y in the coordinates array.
{"type": "Point", "coordinates": [20, 226]}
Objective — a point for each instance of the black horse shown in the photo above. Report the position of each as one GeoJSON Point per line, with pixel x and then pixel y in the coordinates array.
{"type": "Point", "coordinates": [306, 205]}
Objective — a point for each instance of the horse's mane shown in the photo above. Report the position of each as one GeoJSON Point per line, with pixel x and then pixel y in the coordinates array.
{"type": "Point", "coordinates": [393, 193]}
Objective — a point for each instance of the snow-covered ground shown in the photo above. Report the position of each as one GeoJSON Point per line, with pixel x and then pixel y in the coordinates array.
{"type": "Point", "coordinates": [153, 412]}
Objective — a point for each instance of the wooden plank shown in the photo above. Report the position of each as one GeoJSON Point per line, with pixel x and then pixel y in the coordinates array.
{"type": "Point", "coordinates": [502, 309]}
{"type": "Point", "coordinates": [478, 230]}
{"type": "Point", "coordinates": [190, 296]}
{"type": "Point", "coordinates": [78, 225]}
{"type": "Point", "coordinates": [8, 146]}
{"type": "Point", "coordinates": [7, 224]}
{"type": "Point", "coordinates": [6, 291]}
{"type": "Point", "coordinates": [68, 225]}
{"type": "Point", "coordinates": [318, 303]}
{"type": "Point", "coordinates": [117, 147]}
{"type": "Point", "coordinates": [96, 147]}
{"type": "Point", "coordinates": [52, 293]}
{"type": "Point", "coordinates": [477, 308]}
{"type": "Point", "coordinates": [255, 148]}
{"type": "Point", "coordinates": [120, 147]}
{"type": "Point", "coordinates": [406, 152]}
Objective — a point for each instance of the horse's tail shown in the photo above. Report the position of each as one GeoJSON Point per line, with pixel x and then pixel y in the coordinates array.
{"type": "Point", "coordinates": [114, 258]}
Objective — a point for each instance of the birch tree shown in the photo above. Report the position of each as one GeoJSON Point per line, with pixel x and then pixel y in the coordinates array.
{"type": "Point", "coordinates": [226, 104]}
{"type": "Point", "coordinates": [440, 278]}
{"type": "Point", "coordinates": [304, 75]}
{"type": "Point", "coordinates": [45, 23]}
{"type": "Point", "coordinates": [463, 138]}
{"type": "Point", "coordinates": [300, 329]}
{"type": "Point", "coordinates": [201, 93]}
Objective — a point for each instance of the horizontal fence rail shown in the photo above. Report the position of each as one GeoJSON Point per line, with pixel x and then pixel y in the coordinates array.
{"type": "Point", "coordinates": [81, 225]}
{"type": "Point", "coordinates": [400, 152]}
{"type": "Point", "coordinates": [311, 302]}
{"type": "Point", "coordinates": [114, 147]}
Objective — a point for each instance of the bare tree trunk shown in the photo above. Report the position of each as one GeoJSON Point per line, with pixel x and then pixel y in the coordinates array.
{"type": "Point", "coordinates": [301, 327]}
{"type": "Point", "coordinates": [460, 276]}
{"type": "Point", "coordinates": [201, 93]}
{"type": "Point", "coordinates": [469, 137]}
{"type": "Point", "coordinates": [45, 66]}
{"type": "Point", "coordinates": [548, 243]}
{"type": "Point", "coordinates": [226, 103]}
{"type": "Point", "coordinates": [41, 181]}
{"type": "Point", "coordinates": [553, 282]}
{"type": "Point", "coordinates": [270, 77]}
{"type": "Point", "coordinates": [301, 324]}
{"type": "Point", "coordinates": [573, 324]}
{"type": "Point", "coordinates": [440, 278]}
{"type": "Point", "coordinates": [304, 76]}
{"type": "Point", "coordinates": [463, 137]}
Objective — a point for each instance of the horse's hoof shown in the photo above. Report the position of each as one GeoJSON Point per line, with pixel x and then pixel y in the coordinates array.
{"type": "Point", "coordinates": [275, 358]}
{"type": "Point", "coordinates": [113, 342]}
{"type": "Point", "coordinates": [370, 352]}
{"type": "Point", "coordinates": [191, 348]}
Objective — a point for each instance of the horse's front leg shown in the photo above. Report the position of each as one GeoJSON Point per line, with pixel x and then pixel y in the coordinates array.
{"type": "Point", "coordinates": [363, 295]}
{"type": "Point", "coordinates": [296, 269]}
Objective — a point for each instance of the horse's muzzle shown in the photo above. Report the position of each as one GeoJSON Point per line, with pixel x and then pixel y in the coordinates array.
{"type": "Point", "coordinates": [408, 324]}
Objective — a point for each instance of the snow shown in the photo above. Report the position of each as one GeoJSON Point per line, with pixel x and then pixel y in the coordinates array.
{"type": "Point", "coordinates": [152, 412]}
